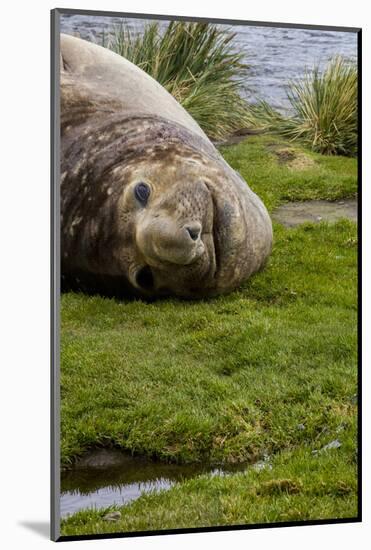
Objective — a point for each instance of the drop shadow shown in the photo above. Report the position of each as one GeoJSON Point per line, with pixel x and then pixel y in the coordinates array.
{"type": "Point", "coordinates": [42, 528]}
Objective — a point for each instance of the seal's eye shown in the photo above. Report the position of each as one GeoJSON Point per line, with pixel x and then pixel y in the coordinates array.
{"type": "Point", "coordinates": [142, 191]}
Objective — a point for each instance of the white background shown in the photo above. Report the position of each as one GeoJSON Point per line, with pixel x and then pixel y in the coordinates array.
{"type": "Point", "coordinates": [25, 264]}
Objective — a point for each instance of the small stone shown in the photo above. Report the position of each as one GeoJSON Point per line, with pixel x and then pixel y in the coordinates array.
{"type": "Point", "coordinates": [112, 516]}
{"type": "Point", "coordinates": [261, 465]}
{"type": "Point", "coordinates": [335, 444]}
{"type": "Point", "coordinates": [332, 445]}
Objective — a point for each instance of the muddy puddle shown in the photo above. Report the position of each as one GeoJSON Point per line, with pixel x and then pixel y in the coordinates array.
{"type": "Point", "coordinates": [106, 477]}
{"type": "Point", "coordinates": [315, 211]}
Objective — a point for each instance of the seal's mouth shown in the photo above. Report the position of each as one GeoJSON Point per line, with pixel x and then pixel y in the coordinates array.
{"type": "Point", "coordinates": [215, 238]}
{"type": "Point", "coordinates": [209, 238]}
{"type": "Point", "coordinates": [220, 228]}
{"type": "Point", "coordinates": [228, 235]}
{"type": "Point", "coordinates": [211, 242]}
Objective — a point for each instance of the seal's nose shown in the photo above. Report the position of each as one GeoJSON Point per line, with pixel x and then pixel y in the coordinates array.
{"type": "Point", "coordinates": [194, 230]}
{"type": "Point", "coordinates": [162, 239]}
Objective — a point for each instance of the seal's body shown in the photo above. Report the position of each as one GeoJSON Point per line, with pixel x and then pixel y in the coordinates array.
{"type": "Point", "coordinates": [148, 205]}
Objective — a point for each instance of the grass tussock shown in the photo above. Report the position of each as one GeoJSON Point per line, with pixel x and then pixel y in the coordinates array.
{"type": "Point", "coordinates": [324, 108]}
{"type": "Point", "coordinates": [196, 63]}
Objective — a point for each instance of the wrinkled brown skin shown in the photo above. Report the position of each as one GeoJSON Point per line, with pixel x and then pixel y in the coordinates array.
{"type": "Point", "coordinates": [120, 127]}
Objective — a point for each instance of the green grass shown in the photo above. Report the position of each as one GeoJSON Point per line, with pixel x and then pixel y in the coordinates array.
{"type": "Point", "coordinates": [306, 175]}
{"type": "Point", "coordinates": [324, 110]}
{"type": "Point", "coordinates": [233, 378]}
{"type": "Point", "coordinates": [196, 63]}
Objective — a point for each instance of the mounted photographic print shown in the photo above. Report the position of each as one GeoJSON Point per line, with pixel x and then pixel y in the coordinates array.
{"type": "Point", "coordinates": [205, 229]}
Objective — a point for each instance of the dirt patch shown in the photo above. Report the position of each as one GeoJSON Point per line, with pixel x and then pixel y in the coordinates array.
{"type": "Point", "coordinates": [290, 157]}
{"type": "Point", "coordinates": [301, 162]}
{"type": "Point", "coordinates": [285, 156]}
{"type": "Point", "coordinates": [296, 213]}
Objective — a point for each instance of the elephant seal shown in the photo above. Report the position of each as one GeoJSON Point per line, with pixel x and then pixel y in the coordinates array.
{"type": "Point", "coordinates": [148, 205]}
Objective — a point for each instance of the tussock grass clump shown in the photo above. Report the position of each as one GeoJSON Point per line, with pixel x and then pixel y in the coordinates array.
{"type": "Point", "coordinates": [324, 110]}
{"type": "Point", "coordinates": [196, 63]}
{"type": "Point", "coordinates": [278, 486]}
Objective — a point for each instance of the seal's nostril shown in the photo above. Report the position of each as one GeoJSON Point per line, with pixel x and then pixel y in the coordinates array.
{"type": "Point", "coordinates": [194, 231]}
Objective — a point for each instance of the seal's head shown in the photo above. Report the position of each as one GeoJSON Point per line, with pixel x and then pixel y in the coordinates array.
{"type": "Point", "coordinates": [190, 225]}
{"type": "Point", "coordinates": [161, 209]}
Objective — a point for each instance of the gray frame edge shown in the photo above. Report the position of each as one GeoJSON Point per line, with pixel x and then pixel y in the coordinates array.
{"type": "Point", "coordinates": [309, 26]}
{"type": "Point", "coordinates": [55, 277]}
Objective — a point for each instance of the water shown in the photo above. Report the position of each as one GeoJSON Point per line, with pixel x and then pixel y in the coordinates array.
{"type": "Point", "coordinates": [106, 477]}
{"type": "Point", "coordinates": [275, 55]}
